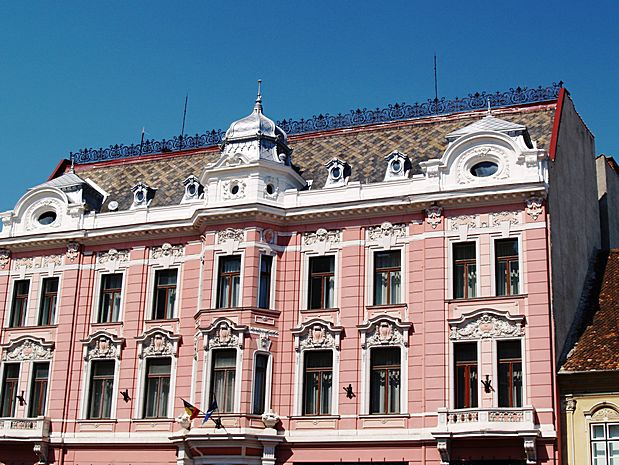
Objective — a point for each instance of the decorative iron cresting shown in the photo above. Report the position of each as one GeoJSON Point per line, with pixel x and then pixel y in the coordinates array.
{"type": "Point", "coordinates": [358, 117]}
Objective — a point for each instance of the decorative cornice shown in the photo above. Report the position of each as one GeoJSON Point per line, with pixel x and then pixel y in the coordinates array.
{"type": "Point", "coordinates": [486, 323]}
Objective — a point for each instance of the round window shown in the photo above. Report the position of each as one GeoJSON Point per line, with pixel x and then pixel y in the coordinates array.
{"type": "Point", "coordinates": [270, 189]}
{"type": "Point", "coordinates": [47, 217]}
{"type": "Point", "coordinates": [484, 169]}
{"type": "Point", "coordinates": [234, 189]}
{"type": "Point", "coordinates": [336, 173]}
{"type": "Point", "coordinates": [396, 166]}
{"type": "Point", "coordinates": [191, 189]}
{"type": "Point", "coordinates": [139, 196]}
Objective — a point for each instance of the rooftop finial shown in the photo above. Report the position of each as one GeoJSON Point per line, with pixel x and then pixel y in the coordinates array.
{"type": "Point", "coordinates": [489, 110]}
{"type": "Point", "coordinates": [72, 169]}
{"type": "Point", "coordinates": [258, 106]}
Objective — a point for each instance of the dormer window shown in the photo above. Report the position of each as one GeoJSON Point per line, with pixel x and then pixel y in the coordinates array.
{"type": "Point", "coordinates": [193, 189]}
{"type": "Point", "coordinates": [338, 173]}
{"type": "Point", "coordinates": [484, 169]}
{"type": "Point", "coordinates": [398, 166]}
{"type": "Point", "coordinates": [142, 195]}
{"type": "Point", "coordinates": [46, 218]}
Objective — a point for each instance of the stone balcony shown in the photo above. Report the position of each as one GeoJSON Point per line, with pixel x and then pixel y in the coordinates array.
{"type": "Point", "coordinates": [24, 429]}
{"type": "Point", "coordinates": [519, 421]}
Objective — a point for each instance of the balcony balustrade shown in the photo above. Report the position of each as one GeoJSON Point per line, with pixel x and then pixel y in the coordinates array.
{"type": "Point", "coordinates": [501, 421]}
{"type": "Point", "coordinates": [24, 428]}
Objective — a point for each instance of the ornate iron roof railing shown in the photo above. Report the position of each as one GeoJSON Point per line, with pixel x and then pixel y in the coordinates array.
{"type": "Point", "coordinates": [359, 117]}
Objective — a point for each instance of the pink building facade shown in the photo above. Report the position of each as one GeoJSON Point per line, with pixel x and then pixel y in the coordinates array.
{"type": "Point", "coordinates": [396, 308]}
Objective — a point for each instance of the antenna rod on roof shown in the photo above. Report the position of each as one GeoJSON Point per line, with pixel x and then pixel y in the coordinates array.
{"type": "Point", "coordinates": [435, 87]}
{"type": "Point", "coordinates": [184, 115]}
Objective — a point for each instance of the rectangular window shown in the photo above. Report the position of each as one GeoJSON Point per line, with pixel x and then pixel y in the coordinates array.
{"type": "Point", "coordinates": [165, 294]}
{"type": "Point", "coordinates": [318, 375]}
{"type": "Point", "coordinates": [20, 303]}
{"type": "Point", "coordinates": [49, 299]}
{"type": "Point", "coordinates": [38, 389]}
{"type": "Point", "coordinates": [229, 285]}
{"type": "Point", "coordinates": [387, 278]}
{"type": "Point", "coordinates": [260, 383]}
{"type": "Point", "coordinates": [510, 373]}
{"type": "Point", "coordinates": [157, 387]}
{"type": "Point", "coordinates": [385, 380]}
{"type": "Point", "coordinates": [101, 389]}
{"type": "Point", "coordinates": [465, 358]}
{"type": "Point", "coordinates": [109, 300]}
{"type": "Point", "coordinates": [10, 382]}
{"type": "Point", "coordinates": [605, 443]}
{"type": "Point", "coordinates": [507, 268]}
{"type": "Point", "coordinates": [465, 270]}
{"type": "Point", "coordinates": [321, 282]}
{"type": "Point", "coordinates": [264, 285]}
{"type": "Point", "coordinates": [223, 378]}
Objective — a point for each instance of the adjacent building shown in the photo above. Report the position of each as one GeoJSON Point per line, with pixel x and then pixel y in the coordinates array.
{"type": "Point", "coordinates": [391, 286]}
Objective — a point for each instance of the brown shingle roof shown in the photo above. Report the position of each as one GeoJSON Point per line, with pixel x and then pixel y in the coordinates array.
{"type": "Point", "coordinates": [598, 346]}
{"type": "Point", "coordinates": [364, 148]}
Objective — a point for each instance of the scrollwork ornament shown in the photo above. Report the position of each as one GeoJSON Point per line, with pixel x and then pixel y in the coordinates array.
{"type": "Point", "coordinates": [486, 325]}
{"type": "Point", "coordinates": [27, 350]}
{"type": "Point", "coordinates": [113, 255]}
{"type": "Point", "coordinates": [434, 216]}
{"type": "Point", "coordinates": [321, 235]}
{"type": "Point", "coordinates": [317, 336]}
{"type": "Point", "coordinates": [224, 337]}
{"type": "Point", "coordinates": [504, 217]}
{"type": "Point", "coordinates": [236, 235]}
{"type": "Point", "coordinates": [157, 344]}
{"type": "Point", "coordinates": [386, 230]}
{"type": "Point", "coordinates": [73, 249]}
{"type": "Point", "coordinates": [534, 207]}
{"type": "Point", "coordinates": [167, 250]}
{"type": "Point", "coordinates": [605, 414]}
{"type": "Point", "coordinates": [102, 347]}
{"type": "Point", "coordinates": [385, 333]}
{"type": "Point", "coordinates": [5, 255]}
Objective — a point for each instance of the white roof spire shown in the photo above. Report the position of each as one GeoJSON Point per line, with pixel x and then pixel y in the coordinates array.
{"type": "Point", "coordinates": [489, 110]}
{"type": "Point", "coordinates": [258, 106]}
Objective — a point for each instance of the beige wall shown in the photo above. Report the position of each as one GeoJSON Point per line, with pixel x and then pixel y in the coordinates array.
{"type": "Point", "coordinates": [608, 194]}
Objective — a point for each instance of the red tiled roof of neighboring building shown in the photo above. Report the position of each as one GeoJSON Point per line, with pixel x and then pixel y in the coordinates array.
{"type": "Point", "coordinates": [597, 348]}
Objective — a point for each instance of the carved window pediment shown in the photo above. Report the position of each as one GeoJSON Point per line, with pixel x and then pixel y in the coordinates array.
{"type": "Point", "coordinates": [321, 241]}
{"type": "Point", "coordinates": [158, 342]}
{"type": "Point", "coordinates": [384, 331]}
{"type": "Point", "coordinates": [483, 324]}
{"type": "Point", "coordinates": [27, 348]}
{"type": "Point", "coordinates": [102, 345]}
{"type": "Point", "coordinates": [223, 333]}
{"type": "Point", "coordinates": [317, 334]}
{"type": "Point", "coordinates": [386, 235]}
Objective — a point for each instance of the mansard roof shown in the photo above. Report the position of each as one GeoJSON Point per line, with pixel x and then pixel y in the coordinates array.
{"type": "Point", "coordinates": [597, 348]}
{"type": "Point", "coordinates": [364, 148]}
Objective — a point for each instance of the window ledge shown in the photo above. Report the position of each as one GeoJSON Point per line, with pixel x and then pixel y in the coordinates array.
{"type": "Point", "coordinates": [162, 320]}
{"type": "Point", "coordinates": [29, 328]}
{"type": "Point", "coordinates": [153, 420]}
{"type": "Point", "coordinates": [271, 312]}
{"type": "Point", "coordinates": [387, 416]}
{"type": "Point", "coordinates": [110, 323]}
{"type": "Point", "coordinates": [88, 421]}
{"type": "Point", "coordinates": [314, 417]}
{"type": "Point", "coordinates": [320, 310]}
{"type": "Point", "coordinates": [491, 298]}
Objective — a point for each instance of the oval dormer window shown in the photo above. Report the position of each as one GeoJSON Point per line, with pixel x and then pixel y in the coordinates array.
{"type": "Point", "coordinates": [47, 218]}
{"type": "Point", "coordinates": [336, 173]}
{"type": "Point", "coordinates": [484, 169]}
{"type": "Point", "coordinates": [396, 166]}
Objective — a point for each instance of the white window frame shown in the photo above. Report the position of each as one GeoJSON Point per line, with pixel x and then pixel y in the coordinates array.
{"type": "Point", "coordinates": [371, 252]}
{"type": "Point", "coordinates": [450, 267]}
{"type": "Point", "coordinates": [215, 288]}
{"type": "Point", "coordinates": [97, 295]}
{"type": "Point", "coordinates": [207, 378]}
{"type": "Point", "coordinates": [452, 373]}
{"type": "Point", "coordinates": [591, 441]}
{"type": "Point", "coordinates": [366, 384]}
{"type": "Point", "coordinates": [305, 288]}
{"type": "Point", "coordinates": [300, 384]}
{"type": "Point", "coordinates": [521, 274]}
{"type": "Point", "coordinates": [86, 391]}
{"type": "Point", "coordinates": [30, 381]}
{"type": "Point", "coordinates": [140, 405]}
{"type": "Point", "coordinates": [9, 313]}
{"type": "Point", "coordinates": [268, 380]}
{"type": "Point", "coordinates": [495, 370]}
{"type": "Point", "coordinates": [273, 281]}
{"type": "Point", "coordinates": [151, 286]}
{"type": "Point", "coordinates": [42, 278]}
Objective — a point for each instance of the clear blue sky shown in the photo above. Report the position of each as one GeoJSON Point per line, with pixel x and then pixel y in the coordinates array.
{"type": "Point", "coordinates": [93, 73]}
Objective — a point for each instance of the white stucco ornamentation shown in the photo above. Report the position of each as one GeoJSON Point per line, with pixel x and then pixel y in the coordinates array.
{"type": "Point", "coordinates": [51, 260]}
{"type": "Point", "coordinates": [167, 250]}
{"type": "Point", "coordinates": [27, 348]}
{"type": "Point", "coordinates": [270, 418]}
{"type": "Point", "coordinates": [486, 324]}
{"type": "Point", "coordinates": [102, 345]}
{"type": "Point", "coordinates": [605, 414]}
{"type": "Point", "coordinates": [25, 263]}
{"type": "Point", "coordinates": [534, 207]}
{"type": "Point", "coordinates": [384, 331]}
{"type": "Point", "coordinates": [158, 342]}
{"type": "Point", "coordinates": [317, 334]}
{"type": "Point", "coordinates": [456, 223]}
{"type": "Point", "coordinates": [232, 190]}
{"type": "Point", "coordinates": [236, 235]}
{"type": "Point", "coordinates": [483, 153]}
{"type": "Point", "coordinates": [223, 334]}
{"type": "Point", "coordinates": [5, 255]}
{"type": "Point", "coordinates": [113, 255]}
{"type": "Point", "coordinates": [434, 215]}
{"type": "Point", "coordinates": [504, 217]}
{"type": "Point", "coordinates": [386, 230]}
{"type": "Point", "coordinates": [73, 249]}
{"type": "Point", "coordinates": [530, 450]}
{"type": "Point", "coordinates": [268, 236]}
{"type": "Point", "coordinates": [35, 210]}
{"type": "Point", "coordinates": [322, 240]}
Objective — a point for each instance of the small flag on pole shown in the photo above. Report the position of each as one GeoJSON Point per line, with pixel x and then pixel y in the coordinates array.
{"type": "Point", "coordinates": [210, 411]}
{"type": "Point", "coordinates": [191, 410]}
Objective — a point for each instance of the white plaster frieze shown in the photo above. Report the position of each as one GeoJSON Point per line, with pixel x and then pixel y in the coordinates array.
{"type": "Point", "coordinates": [386, 235]}
{"type": "Point", "coordinates": [113, 259]}
{"type": "Point", "coordinates": [483, 324]}
{"type": "Point", "coordinates": [230, 239]}
{"type": "Point", "coordinates": [317, 334]}
{"type": "Point", "coordinates": [222, 333]}
{"type": "Point", "coordinates": [496, 219]}
{"type": "Point", "coordinates": [102, 345]}
{"type": "Point", "coordinates": [384, 331]}
{"type": "Point", "coordinates": [157, 342]}
{"type": "Point", "coordinates": [27, 348]}
{"type": "Point", "coordinates": [463, 222]}
{"type": "Point", "coordinates": [321, 241]}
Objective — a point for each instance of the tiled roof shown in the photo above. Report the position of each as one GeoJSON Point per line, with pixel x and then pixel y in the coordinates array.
{"type": "Point", "coordinates": [598, 346]}
{"type": "Point", "coordinates": [364, 148]}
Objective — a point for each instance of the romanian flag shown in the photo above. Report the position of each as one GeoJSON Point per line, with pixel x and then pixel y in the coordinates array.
{"type": "Point", "coordinates": [192, 411]}
{"type": "Point", "coordinates": [210, 411]}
